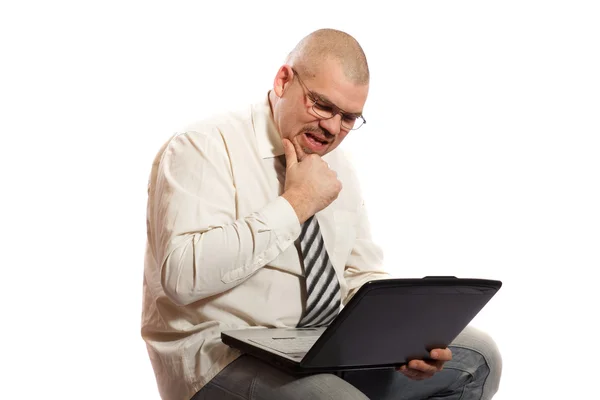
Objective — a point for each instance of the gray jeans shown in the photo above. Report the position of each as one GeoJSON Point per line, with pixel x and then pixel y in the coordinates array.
{"type": "Point", "coordinates": [473, 373]}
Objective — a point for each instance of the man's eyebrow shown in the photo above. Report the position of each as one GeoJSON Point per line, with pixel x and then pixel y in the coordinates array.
{"type": "Point", "coordinates": [324, 99]}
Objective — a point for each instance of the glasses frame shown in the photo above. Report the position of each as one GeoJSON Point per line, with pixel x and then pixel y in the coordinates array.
{"type": "Point", "coordinates": [314, 98]}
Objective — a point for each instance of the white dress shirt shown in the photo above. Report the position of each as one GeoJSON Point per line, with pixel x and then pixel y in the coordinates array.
{"type": "Point", "coordinates": [220, 252]}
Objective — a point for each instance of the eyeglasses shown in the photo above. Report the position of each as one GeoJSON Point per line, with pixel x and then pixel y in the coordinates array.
{"type": "Point", "coordinates": [327, 110]}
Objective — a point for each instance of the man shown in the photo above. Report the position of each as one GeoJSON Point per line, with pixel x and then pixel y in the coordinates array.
{"type": "Point", "coordinates": [255, 219]}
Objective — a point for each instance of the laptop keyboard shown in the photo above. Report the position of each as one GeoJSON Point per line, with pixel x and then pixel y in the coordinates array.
{"type": "Point", "coordinates": [288, 345]}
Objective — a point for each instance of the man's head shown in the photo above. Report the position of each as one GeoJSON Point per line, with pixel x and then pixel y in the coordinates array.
{"type": "Point", "coordinates": [326, 74]}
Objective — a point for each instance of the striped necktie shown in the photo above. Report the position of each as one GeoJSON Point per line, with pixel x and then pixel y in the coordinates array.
{"type": "Point", "coordinates": [322, 286]}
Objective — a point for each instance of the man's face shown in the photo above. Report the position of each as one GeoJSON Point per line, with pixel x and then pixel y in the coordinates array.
{"type": "Point", "coordinates": [296, 113]}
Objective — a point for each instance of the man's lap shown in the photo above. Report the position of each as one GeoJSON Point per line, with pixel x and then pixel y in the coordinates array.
{"type": "Point", "coordinates": [473, 351]}
{"type": "Point", "coordinates": [250, 378]}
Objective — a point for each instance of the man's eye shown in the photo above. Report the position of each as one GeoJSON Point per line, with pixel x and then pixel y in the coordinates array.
{"type": "Point", "coordinates": [350, 118]}
{"type": "Point", "coordinates": [323, 107]}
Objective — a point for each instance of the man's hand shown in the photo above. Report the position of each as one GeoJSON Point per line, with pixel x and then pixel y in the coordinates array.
{"type": "Point", "coordinates": [310, 185]}
{"type": "Point", "coordinates": [420, 369]}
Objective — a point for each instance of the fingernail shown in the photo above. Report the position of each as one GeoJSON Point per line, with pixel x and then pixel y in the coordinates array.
{"type": "Point", "coordinates": [434, 354]}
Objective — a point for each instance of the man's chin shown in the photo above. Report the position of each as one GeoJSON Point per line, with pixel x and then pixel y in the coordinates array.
{"type": "Point", "coordinates": [306, 152]}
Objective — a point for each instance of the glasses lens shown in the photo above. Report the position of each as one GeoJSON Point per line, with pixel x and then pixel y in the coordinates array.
{"type": "Point", "coordinates": [323, 110]}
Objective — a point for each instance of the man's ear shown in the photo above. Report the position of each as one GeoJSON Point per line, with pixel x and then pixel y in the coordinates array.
{"type": "Point", "coordinates": [283, 79]}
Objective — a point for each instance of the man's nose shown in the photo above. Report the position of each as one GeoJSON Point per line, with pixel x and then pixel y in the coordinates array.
{"type": "Point", "coordinates": [332, 125]}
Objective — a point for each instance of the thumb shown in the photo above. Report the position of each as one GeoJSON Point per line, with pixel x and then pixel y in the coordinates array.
{"type": "Point", "coordinates": [290, 153]}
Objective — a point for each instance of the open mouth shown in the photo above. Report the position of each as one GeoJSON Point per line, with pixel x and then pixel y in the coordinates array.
{"type": "Point", "coordinates": [314, 140]}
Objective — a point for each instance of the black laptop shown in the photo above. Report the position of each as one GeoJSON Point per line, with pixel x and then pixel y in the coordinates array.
{"type": "Point", "coordinates": [386, 324]}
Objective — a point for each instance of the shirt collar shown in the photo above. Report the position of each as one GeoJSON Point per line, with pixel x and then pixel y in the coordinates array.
{"type": "Point", "coordinates": [267, 135]}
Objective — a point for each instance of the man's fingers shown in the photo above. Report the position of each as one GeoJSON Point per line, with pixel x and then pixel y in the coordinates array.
{"type": "Point", "coordinates": [441, 354]}
{"type": "Point", "coordinates": [423, 367]}
{"type": "Point", "coordinates": [414, 374]}
{"type": "Point", "coordinates": [290, 153]}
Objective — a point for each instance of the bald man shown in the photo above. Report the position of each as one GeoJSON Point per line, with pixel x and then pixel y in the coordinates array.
{"type": "Point", "coordinates": [255, 219]}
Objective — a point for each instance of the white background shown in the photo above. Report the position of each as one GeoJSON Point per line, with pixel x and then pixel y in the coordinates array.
{"type": "Point", "coordinates": [480, 158]}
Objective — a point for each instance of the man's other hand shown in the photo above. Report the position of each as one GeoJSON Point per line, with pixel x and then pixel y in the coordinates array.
{"type": "Point", "coordinates": [421, 369]}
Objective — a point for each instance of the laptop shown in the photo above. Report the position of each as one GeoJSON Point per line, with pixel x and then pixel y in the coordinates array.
{"type": "Point", "coordinates": [386, 324]}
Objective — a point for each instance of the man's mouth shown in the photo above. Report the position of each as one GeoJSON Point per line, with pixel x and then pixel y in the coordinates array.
{"type": "Point", "coordinates": [316, 138]}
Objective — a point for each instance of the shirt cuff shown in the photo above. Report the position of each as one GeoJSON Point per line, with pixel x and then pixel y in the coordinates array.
{"type": "Point", "coordinates": [281, 218]}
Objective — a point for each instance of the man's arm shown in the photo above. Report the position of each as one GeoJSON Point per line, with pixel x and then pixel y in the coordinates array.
{"type": "Point", "coordinates": [200, 246]}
